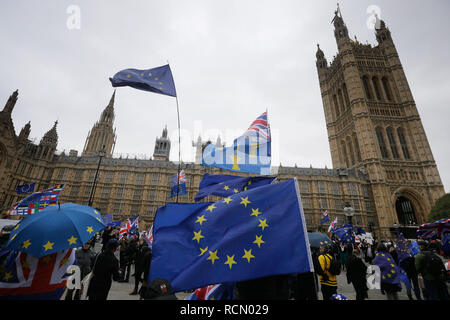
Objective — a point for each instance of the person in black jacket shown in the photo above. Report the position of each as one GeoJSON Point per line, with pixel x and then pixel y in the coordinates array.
{"type": "Point", "coordinates": [142, 248]}
{"type": "Point", "coordinates": [356, 274]}
{"type": "Point", "coordinates": [408, 264]}
{"type": "Point", "coordinates": [106, 267]}
{"type": "Point", "coordinates": [106, 236]}
{"type": "Point", "coordinates": [146, 262]}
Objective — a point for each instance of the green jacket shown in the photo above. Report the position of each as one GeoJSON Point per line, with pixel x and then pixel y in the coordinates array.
{"type": "Point", "coordinates": [421, 267]}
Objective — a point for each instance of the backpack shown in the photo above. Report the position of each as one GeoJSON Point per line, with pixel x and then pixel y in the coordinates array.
{"type": "Point", "coordinates": [434, 265]}
{"type": "Point", "coordinates": [335, 266]}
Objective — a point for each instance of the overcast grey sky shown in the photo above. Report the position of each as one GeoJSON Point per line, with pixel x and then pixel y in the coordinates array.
{"type": "Point", "coordinates": [231, 60]}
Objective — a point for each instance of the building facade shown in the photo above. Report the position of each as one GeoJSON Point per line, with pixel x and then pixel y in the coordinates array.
{"type": "Point", "coordinates": [383, 167]}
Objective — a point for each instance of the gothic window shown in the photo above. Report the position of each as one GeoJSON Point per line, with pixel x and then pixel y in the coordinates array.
{"type": "Point", "coordinates": [336, 105]}
{"type": "Point", "coordinates": [304, 187]}
{"type": "Point", "coordinates": [356, 205]}
{"type": "Point", "coordinates": [109, 177]}
{"type": "Point", "coordinates": [140, 179]}
{"type": "Point", "coordinates": [335, 188]}
{"type": "Point", "coordinates": [152, 195]}
{"type": "Point", "coordinates": [387, 91]}
{"type": "Point", "coordinates": [155, 178]}
{"type": "Point", "coordinates": [391, 139]}
{"type": "Point", "coordinates": [350, 150]}
{"type": "Point", "coordinates": [135, 209]}
{"type": "Point", "coordinates": [338, 204]}
{"type": "Point", "coordinates": [365, 81]}
{"type": "Point", "coordinates": [74, 191]}
{"type": "Point", "coordinates": [347, 100]}
{"type": "Point", "coordinates": [119, 193]}
{"type": "Point", "coordinates": [137, 194]}
{"type": "Point", "coordinates": [323, 203]}
{"type": "Point", "coordinates": [352, 189]}
{"type": "Point", "coordinates": [105, 193]}
{"type": "Point", "coordinates": [358, 152]}
{"type": "Point", "coordinates": [376, 87]}
{"type": "Point", "coordinates": [401, 138]}
{"type": "Point", "coordinates": [306, 203]}
{"type": "Point", "coordinates": [321, 187]}
{"type": "Point", "coordinates": [79, 175]}
{"type": "Point", "coordinates": [341, 101]}
{"type": "Point", "coordinates": [381, 142]}
{"type": "Point", "coordinates": [123, 177]}
{"type": "Point", "coordinates": [61, 174]}
{"type": "Point", "coordinates": [344, 151]}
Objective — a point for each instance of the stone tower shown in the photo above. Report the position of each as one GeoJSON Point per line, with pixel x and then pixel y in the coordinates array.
{"type": "Point", "coordinates": [102, 134]}
{"type": "Point", "coordinates": [162, 147]}
{"type": "Point", "coordinates": [373, 125]}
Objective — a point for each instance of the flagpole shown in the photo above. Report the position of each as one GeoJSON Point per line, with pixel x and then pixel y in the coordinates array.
{"type": "Point", "coordinates": [179, 135]}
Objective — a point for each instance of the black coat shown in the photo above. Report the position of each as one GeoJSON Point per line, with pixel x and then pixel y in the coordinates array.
{"type": "Point", "coordinates": [106, 267]}
{"type": "Point", "coordinates": [357, 272]}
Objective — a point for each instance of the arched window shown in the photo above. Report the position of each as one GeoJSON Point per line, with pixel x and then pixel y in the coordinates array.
{"type": "Point", "coordinates": [336, 105]}
{"type": "Point", "coordinates": [401, 138]}
{"type": "Point", "coordinates": [344, 152]}
{"type": "Point", "coordinates": [387, 91]}
{"type": "Point", "coordinates": [347, 100]}
{"type": "Point", "coordinates": [381, 142]}
{"type": "Point", "coordinates": [390, 135]}
{"type": "Point", "coordinates": [358, 152]}
{"type": "Point", "coordinates": [341, 101]}
{"type": "Point", "coordinates": [376, 87]}
{"type": "Point", "coordinates": [365, 81]}
{"type": "Point", "coordinates": [350, 150]}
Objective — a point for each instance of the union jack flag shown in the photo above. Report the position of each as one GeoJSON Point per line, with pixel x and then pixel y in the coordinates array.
{"type": "Point", "coordinates": [433, 230]}
{"type": "Point", "coordinates": [325, 217]}
{"type": "Point", "coordinates": [261, 127]}
{"type": "Point", "coordinates": [26, 277]}
{"type": "Point", "coordinates": [149, 237]}
{"type": "Point", "coordinates": [221, 291]}
{"type": "Point", "coordinates": [333, 225]}
{"type": "Point", "coordinates": [128, 227]}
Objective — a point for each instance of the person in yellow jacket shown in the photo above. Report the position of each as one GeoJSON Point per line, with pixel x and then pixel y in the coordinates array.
{"type": "Point", "coordinates": [328, 281]}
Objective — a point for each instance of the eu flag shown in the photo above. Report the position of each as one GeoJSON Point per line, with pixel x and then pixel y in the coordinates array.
{"type": "Point", "coordinates": [390, 272]}
{"type": "Point", "coordinates": [158, 80]}
{"type": "Point", "coordinates": [178, 184]}
{"type": "Point", "coordinates": [345, 233]}
{"type": "Point", "coordinates": [224, 185]}
{"type": "Point", "coordinates": [26, 188]}
{"type": "Point", "coordinates": [256, 233]}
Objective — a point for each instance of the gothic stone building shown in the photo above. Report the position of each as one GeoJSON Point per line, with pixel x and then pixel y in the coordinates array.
{"type": "Point", "coordinates": [383, 166]}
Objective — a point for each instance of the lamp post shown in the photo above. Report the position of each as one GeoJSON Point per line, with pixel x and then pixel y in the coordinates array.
{"type": "Point", "coordinates": [349, 212]}
{"type": "Point", "coordinates": [101, 154]}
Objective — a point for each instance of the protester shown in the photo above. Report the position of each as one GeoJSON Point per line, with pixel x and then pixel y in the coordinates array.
{"type": "Point", "coordinates": [124, 242]}
{"type": "Point", "coordinates": [409, 266]}
{"type": "Point", "coordinates": [85, 259]}
{"type": "Point", "coordinates": [389, 286]}
{"type": "Point", "coordinates": [106, 236]}
{"type": "Point", "coordinates": [328, 281]}
{"type": "Point", "coordinates": [142, 248]}
{"type": "Point", "coordinates": [429, 264]}
{"type": "Point", "coordinates": [146, 262]}
{"type": "Point", "coordinates": [356, 274]}
{"type": "Point", "coordinates": [106, 267]}
{"type": "Point", "coordinates": [265, 288]}
{"type": "Point", "coordinates": [159, 289]}
{"type": "Point", "coordinates": [343, 255]}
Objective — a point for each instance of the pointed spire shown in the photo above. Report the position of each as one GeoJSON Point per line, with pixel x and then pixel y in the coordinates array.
{"type": "Point", "coordinates": [51, 137]}
{"type": "Point", "coordinates": [9, 106]}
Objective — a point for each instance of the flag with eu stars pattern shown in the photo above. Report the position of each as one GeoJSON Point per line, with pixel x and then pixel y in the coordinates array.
{"type": "Point", "coordinates": [345, 233]}
{"type": "Point", "coordinates": [252, 234]}
{"type": "Point", "coordinates": [390, 272]}
{"type": "Point", "coordinates": [224, 185]}
{"type": "Point", "coordinates": [157, 80]}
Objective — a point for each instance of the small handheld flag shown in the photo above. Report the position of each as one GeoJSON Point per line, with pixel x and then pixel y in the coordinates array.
{"type": "Point", "coordinates": [325, 217]}
{"type": "Point", "coordinates": [26, 188]}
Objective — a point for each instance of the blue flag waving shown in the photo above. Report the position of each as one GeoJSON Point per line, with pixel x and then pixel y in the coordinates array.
{"type": "Point", "coordinates": [178, 184]}
{"type": "Point", "coordinates": [390, 273]}
{"type": "Point", "coordinates": [26, 188]}
{"type": "Point", "coordinates": [345, 233]}
{"type": "Point", "coordinates": [158, 80]}
{"type": "Point", "coordinates": [325, 217]}
{"type": "Point", "coordinates": [256, 233]}
{"type": "Point", "coordinates": [224, 185]}
{"type": "Point", "coordinates": [250, 152]}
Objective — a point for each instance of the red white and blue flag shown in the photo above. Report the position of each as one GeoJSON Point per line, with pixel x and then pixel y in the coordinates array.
{"type": "Point", "coordinates": [37, 201]}
{"type": "Point", "coordinates": [333, 224]}
{"type": "Point", "coordinates": [221, 291]}
{"type": "Point", "coordinates": [433, 230]}
{"type": "Point", "coordinates": [149, 237]}
{"type": "Point", "coordinates": [128, 227]}
{"type": "Point", "coordinates": [29, 278]}
{"type": "Point", "coordinates": [325, 217]}
{"type": "Point", "coordinates": [261, 127]}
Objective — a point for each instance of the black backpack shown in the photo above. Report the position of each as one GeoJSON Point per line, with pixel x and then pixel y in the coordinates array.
{"type": "Point", "coordinates": [434, 264]}
{"type": "Point", "coordinates": [335, 266]}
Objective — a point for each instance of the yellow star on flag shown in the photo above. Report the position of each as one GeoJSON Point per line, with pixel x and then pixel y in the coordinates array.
{"type": "Point", "coordinates": [200, 219]}
{"type": "Point", "coordinates": [72, 240]}
{"type": "Point", "coordinates": [227, 200]}
{"type": "Point", "coordinates": [198, 236]}
{"type": "Point", "coordinates": [212, 256]}
{"type": "Point", "coordinates": [211, 208]}
{"type": "Point", "coordinates": [90, 229]}
{"type": "Point", "coordinates": [263, 224]}
{"type": "Point", "coordinates": [8, 276]}
{"type": "Point", "coordinates": [16, 227]}
{"type": "Point", "coordinates": [230, 261]}
{"type": "Point", "coordinates": [202, 251]}
{"type": "Point", "coordinates": [248, 255]}
{"type": "Point", "coordinates": [226, 187]}
{"type": "Point", "coordinates": [245, 201]}
{"type": "Point", "coordinates": [259, 241]}
{"type": "Point", "coordinates": [255, 212]}
{"type": "Point", "coordinates": [48, 245]}
{"type": "Point", "coordinates": [12, 238]}
{"type": "Point", "coordinates": [26, 244]}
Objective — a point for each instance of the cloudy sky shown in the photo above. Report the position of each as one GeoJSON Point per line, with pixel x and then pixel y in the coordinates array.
{"type": "Point", "coordinates": [231, 60]}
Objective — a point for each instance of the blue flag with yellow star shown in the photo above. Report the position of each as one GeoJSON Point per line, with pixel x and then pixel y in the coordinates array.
{"type": "Point", "coordinates": [252, 234]}
{"type": "Point", "coordinates": [390, 272]}
{"type": "Point", "coordinates": [345, 233]}
{"type": "Point", "coordinates": [158, 80]}
{"type": "Point", "coordinates": [224, 185]}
